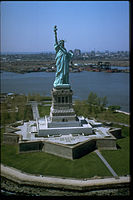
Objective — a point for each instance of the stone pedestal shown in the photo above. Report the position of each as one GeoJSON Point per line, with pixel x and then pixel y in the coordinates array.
{"type": "Point", "coordinates": [61, 109]}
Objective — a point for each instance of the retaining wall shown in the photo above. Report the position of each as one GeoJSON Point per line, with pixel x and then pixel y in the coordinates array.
{"type": "Point", "coordinates": [84, 148]}
{"type": "Point", "coordinates": [30, 146]}
{"type": "Point", "coordinates": [106, 143]}
{"type": "Point", "coordinates": [61, 150]}
{"type": "Point", "coordinates": [10, 129]}
{"type": "Point", "coordinates": [65, 151]}
{"type": "Point", "coordinates": [10, 138]}
{"type": "Point", "coordinates": [65, 131]}
{"type": "Point", "coordinates": [23, 178]}
{"type": "Point", "coordinates": [116, 132]}
{"type": "Point", "coordinates": [68, 151]}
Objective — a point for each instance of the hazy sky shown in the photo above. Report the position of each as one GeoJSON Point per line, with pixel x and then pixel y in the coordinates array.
{"type": "Point", "coordinates": [27, 26]}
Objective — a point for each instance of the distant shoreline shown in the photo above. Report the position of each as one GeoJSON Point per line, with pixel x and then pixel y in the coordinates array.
{"type": "Point", "coordinates": [77, 70]}
{"type": "Point", "coordinates": [35, 64]}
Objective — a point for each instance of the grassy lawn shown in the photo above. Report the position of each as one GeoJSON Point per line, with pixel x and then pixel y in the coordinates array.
{"type": "Point", "coordinates": [86, 167]}
{"type": "Point", "coordinates": [43, 110]}
{"type": "Point", "coordinates": [83, 109]}
{"type": "Point", "coordinates": [125, 130]}
{"type": "Point", "coordinates": [38, 97]}
{"type": "Point", "coordinates": [108, 115]}
{"type": "Point", "coordinates": [114, 117]}
{"type": "Point", "coordinates": [119, 159]}
{"type": "Point", "coordinates": [44, 103]}
{"type": "Point", "coordinates": [46, 164]}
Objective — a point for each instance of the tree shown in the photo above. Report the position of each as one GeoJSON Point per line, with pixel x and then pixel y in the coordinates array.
{"type": "Point", "coordinates": [93, 98]}
{"type": "Point", "coordinates": [114, 107]}
{"type": "Point", "coordinates": [89, 108]}
{"type": "Point", "coordinates": [104, 101]}
{"type": "Point", "coordinates": [96, 111]}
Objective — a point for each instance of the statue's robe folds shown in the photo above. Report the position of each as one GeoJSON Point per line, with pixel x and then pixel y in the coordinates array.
{"type": "Point", "coordinates": [62, 65]}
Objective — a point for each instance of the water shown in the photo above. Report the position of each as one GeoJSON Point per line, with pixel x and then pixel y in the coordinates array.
{"type": "Point", "coordinates": [113, 85]}
{"type": "Point", "coordinates": [121, 68]}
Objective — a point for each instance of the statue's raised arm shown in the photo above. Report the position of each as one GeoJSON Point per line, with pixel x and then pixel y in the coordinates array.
{"type": "Point", "coordinates": [55, 30]}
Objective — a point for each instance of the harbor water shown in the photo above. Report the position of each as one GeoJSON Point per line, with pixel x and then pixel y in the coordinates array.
{"type": "Point", "coordinates": [115, 86]}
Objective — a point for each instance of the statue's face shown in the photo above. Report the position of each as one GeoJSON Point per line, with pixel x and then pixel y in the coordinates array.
{"type": "Point", "coordinates": [62, 43]}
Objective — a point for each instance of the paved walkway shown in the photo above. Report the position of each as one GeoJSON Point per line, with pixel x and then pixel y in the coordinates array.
{"type": "Point", "coordinates": [24, 178]}
{"type": "Point", "coordinates": [35, 110]}
{"type": "Point", "coordinates": [107, 164]}
{"type": "Point", "coordinates": [122, 112]}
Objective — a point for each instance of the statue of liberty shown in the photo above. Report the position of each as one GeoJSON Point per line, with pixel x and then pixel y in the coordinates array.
{"type": "Point", "coordinates": [62, 63]}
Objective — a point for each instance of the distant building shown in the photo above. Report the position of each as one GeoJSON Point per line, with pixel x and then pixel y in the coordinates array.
{"type": "Point", "coordinates": [106, 53]}
{"type": "Point", "coordinates": [92, 53]}
{"type": "Point", "coordinates": [77, 52]}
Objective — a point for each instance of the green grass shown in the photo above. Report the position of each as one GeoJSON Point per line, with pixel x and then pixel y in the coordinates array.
{"type": "Point", "coordinates": [44, 103]}
{"type": "Point", "coordinates": [43, 110]}
{"type": "Point", "coordinates": [125, 130]}
{"type": "Point", "coordinates": [38, 97]}
{"type": "Point", "coordinates": [83, 109]}
{"type": "Point", "coordinates": [119, 159]}
{"type": "Point", "coordinates": [2, 130]}
{"type": "Point", "coordinates": [46, 164]}
{"type": "Point", "coordinates": [114, 117]}
{"type": "Point", "coordinates": [86, 167]}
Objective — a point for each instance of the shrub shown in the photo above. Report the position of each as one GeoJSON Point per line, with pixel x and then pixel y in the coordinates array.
{"type": "Point", "coordinates": [114, 107]}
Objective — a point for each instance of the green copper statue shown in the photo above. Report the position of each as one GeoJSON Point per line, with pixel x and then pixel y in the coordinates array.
{"type": "Point", "coordinates": [62, 63]}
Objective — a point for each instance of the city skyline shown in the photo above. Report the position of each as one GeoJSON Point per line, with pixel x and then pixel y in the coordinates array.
{"type": "Point", "coordinates": [28, 26]}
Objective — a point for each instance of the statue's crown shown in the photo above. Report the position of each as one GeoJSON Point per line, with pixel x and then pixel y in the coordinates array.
{"type": "Point", "coordinates": [61, 41]}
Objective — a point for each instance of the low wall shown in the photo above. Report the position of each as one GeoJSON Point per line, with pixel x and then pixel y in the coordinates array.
{"type": "Point", "coordinates": [65, 131]}
{"type": "Point", "coordinates": [23, 178]}
{"type": "Point", "coordinates": [64, 124]}
{"type": "Point", "coordinates": [82, 149]}
{"type": "Point", "coordinates": [30, 146]}
{"type": "Point", "coordinates": [10, 138]}
{"type": "Point", "coordinates": [65, 151]}
{"type": "Point", "coordinates": [58, 149]}
{"type": "Point", "coordinates": [106, 143]}
{"type": "Point", "coordinates": [116, 132]}
{"type": "Point", "coordinates": [10, 129]}
{"type": "Point", "coordinates": [70, 152]}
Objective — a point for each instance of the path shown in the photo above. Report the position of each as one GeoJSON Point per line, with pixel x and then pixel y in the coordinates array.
{"type": "Point", "coordinates": [106, 163]}
{"type": "Point", "coordinates": [120, 111]}
{"type": "Point", "coordinates": [35, 110]}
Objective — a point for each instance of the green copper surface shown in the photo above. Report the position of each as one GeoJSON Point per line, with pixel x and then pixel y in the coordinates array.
{"type": "Point", "coordinates": [62, 63]}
